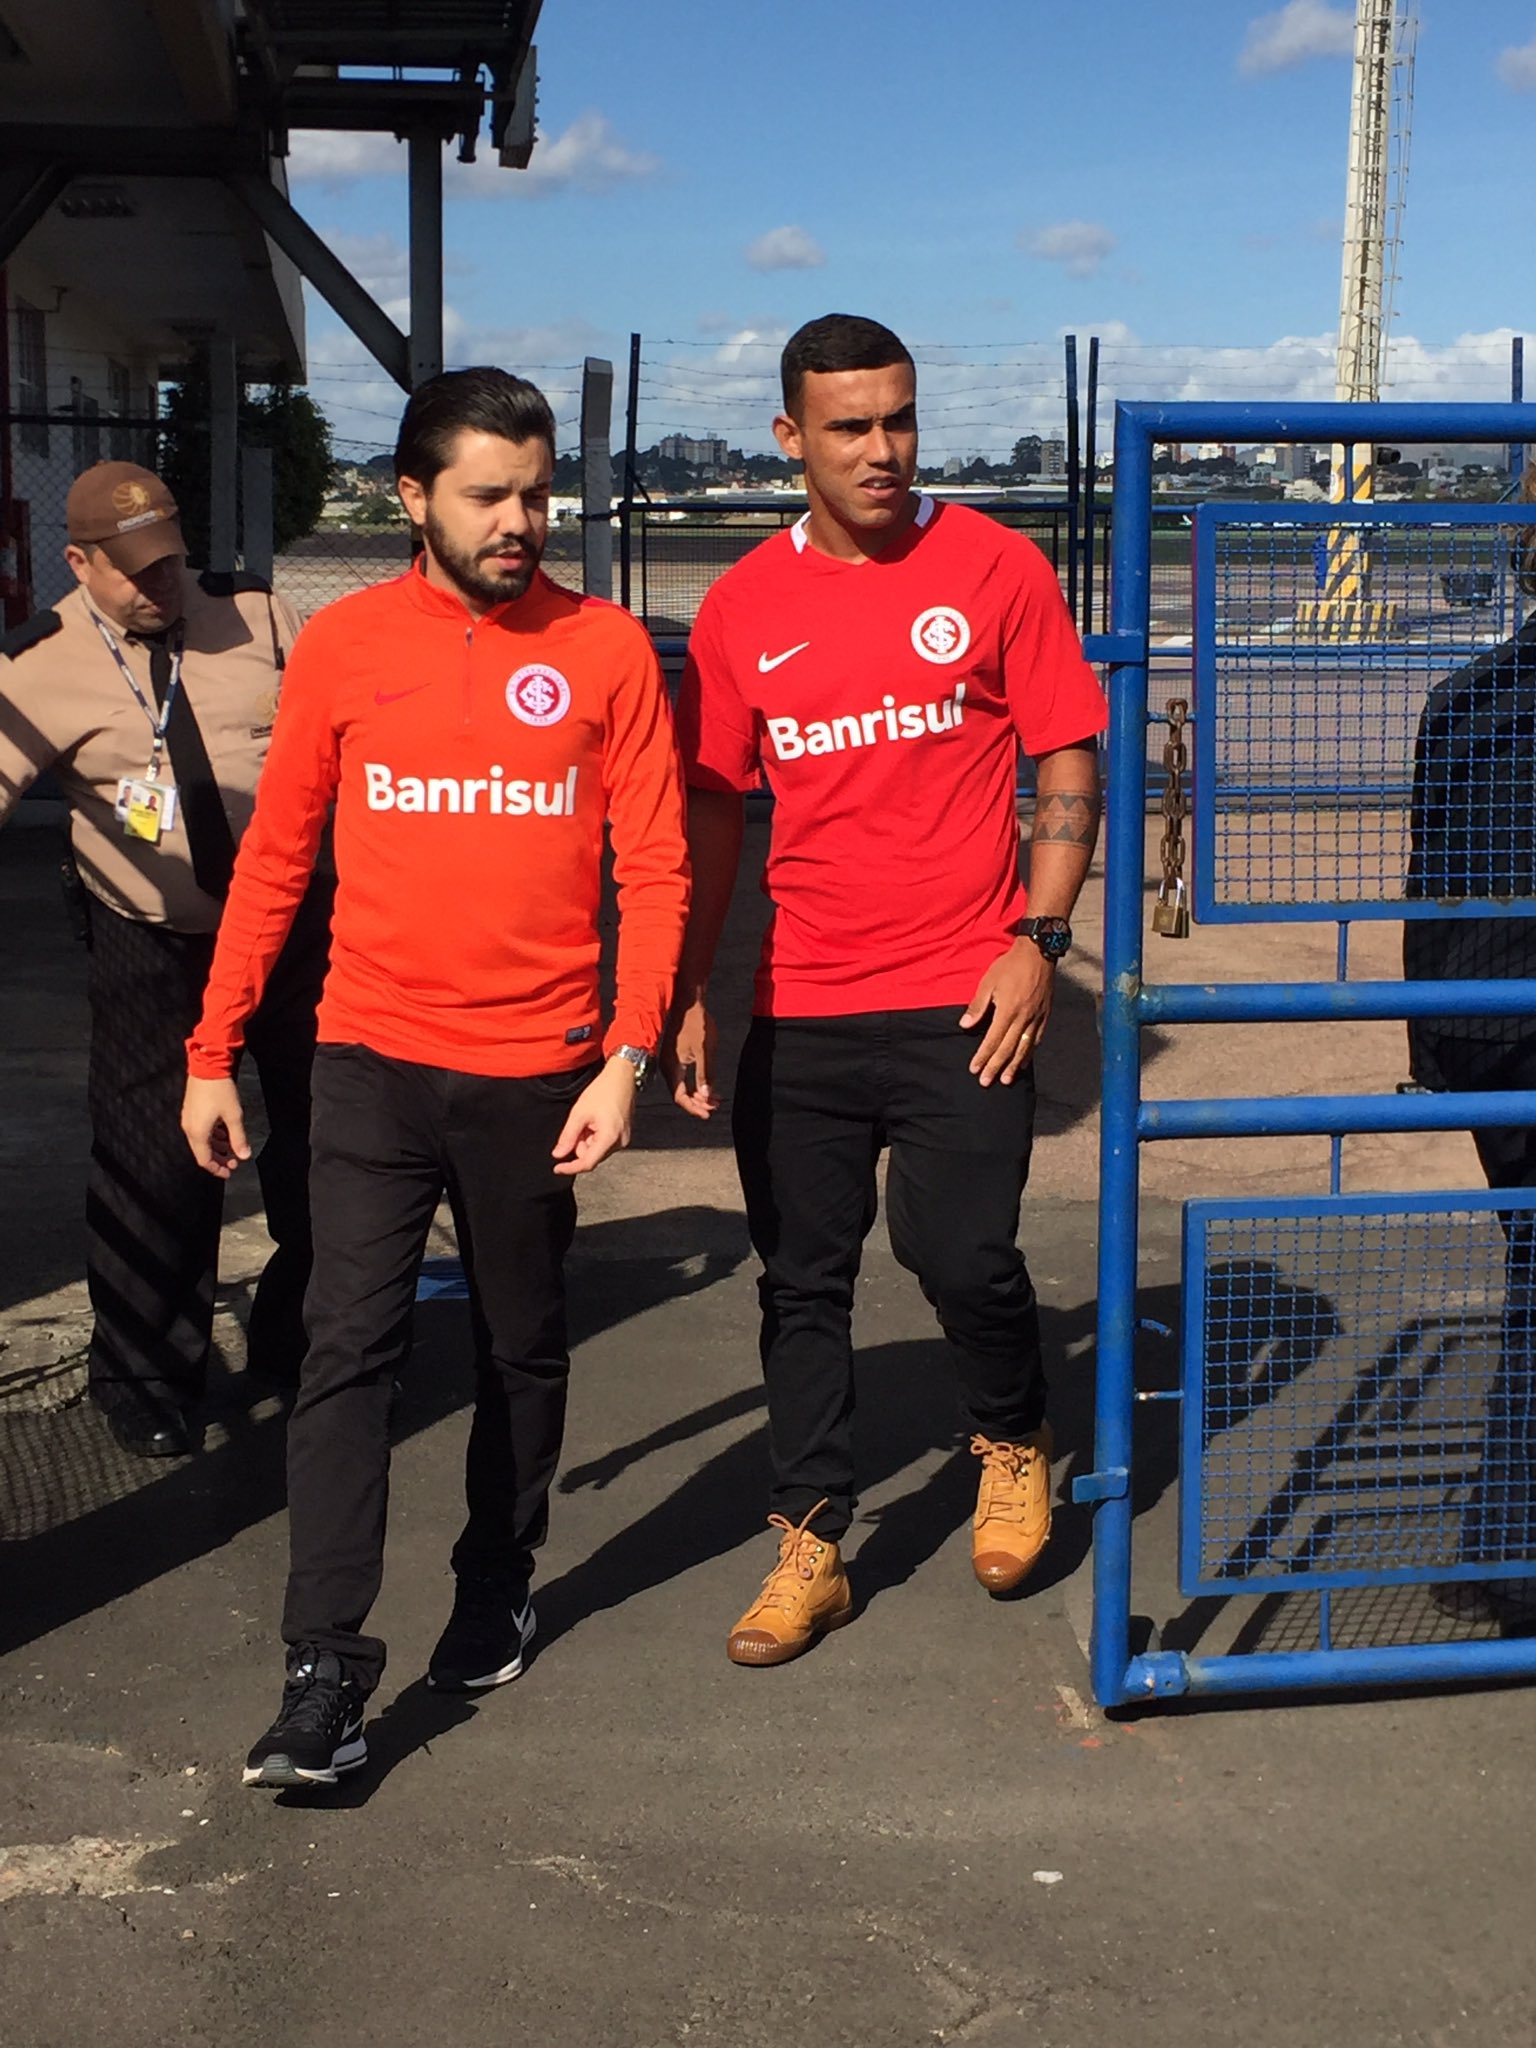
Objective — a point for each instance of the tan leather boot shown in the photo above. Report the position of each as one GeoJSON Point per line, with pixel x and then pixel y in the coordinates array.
{"type": "Point", "coordinates": [804, 1595]}
{"type": "Point", "coordinates": [1013, 1509]}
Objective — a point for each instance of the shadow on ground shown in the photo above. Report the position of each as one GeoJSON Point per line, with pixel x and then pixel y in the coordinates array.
{"type": "Point", "coordinates": [82, 1523]}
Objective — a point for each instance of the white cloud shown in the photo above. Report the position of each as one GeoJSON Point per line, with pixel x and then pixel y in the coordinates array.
{"type": "Point", "coordinates": [1517, 66]}
{"type": "Point", "coordinates": [1298, 30]}
{"type": "Point", "coordinates": [786, 248]}
{"type": "Point", "coordinates": [588, 156]}
{"type": "Point", "coordinates": [332, 157]}
{"type": "Point", "coordinates": [1080, 246]}
{"type": "Point", "coordinates": [378, 262]}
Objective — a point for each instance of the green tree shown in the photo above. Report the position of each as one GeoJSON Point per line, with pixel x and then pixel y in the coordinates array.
{"type": "Point", "coordinates": [276, 416]}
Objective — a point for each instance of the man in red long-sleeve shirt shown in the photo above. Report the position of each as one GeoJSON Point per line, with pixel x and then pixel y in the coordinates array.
{"type": "Point", "coordinates": [474, 726]}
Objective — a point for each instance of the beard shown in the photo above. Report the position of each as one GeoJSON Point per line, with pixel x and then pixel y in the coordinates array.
{"type": "Point", "coordinates": [477, 576]}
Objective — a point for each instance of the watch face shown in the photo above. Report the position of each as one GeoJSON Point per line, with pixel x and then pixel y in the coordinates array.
{"type": "Point", "coordinates": [639, 1060]}
{"type": "Point", "coordinates": [1053, 935]}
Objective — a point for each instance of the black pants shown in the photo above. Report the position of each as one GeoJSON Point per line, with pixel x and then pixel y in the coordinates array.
{"type": "Point", "coordinates": [1500, 1518]}
{"type": "Point", "coordinates": [816, 1099]}
{"type": "Point", "coordinates": [152, 1214]}
{"type": "Point", "coordinates": [389, 1138]}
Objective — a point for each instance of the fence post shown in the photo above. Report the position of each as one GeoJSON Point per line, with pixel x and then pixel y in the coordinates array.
{"type": "Point", "coordinates": [1074, 476]}
{"type": "Point", "coordinates": [223, 431]}
{"type": "Point", "coordinates": [1090, 478]}
{"type": "Point", "coordinates": [1517, 395]}
{"type": "Point", "coordinates": [256, 511]}
{"type": "Point", "coordinates": [627, 496]}
{"type": "Point", "coordinates": [596, 477]}
{"type": "Point", "coordinates": [425, 151]}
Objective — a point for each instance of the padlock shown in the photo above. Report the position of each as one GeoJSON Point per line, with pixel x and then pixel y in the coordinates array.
{"type": "Point", "coordinates": [1170, 914]}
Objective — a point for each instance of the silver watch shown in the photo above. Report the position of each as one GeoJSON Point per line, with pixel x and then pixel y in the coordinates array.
{"type": "Point", "coordinates": [638, 1058]}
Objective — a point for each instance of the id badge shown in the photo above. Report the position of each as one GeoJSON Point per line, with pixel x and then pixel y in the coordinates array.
{"type": "Point", "coordinates": [145, 809]}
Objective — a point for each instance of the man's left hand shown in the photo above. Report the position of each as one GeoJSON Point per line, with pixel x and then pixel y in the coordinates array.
{"type": "Point", "coordinates": [600, 1120]}
{"type": "Point", "coordinates": [1017, 989]}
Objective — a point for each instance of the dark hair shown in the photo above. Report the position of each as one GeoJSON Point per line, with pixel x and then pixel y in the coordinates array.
{"type": "Point", "coordinates": [838, 341]}
{"type": "Point", "coordinates": [486, 400]}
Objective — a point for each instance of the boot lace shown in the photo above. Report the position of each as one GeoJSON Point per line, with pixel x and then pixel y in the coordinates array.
{"type": "Point", "coordinates": [1003, 1467]}
{"type": "Point", "coordinates": [799, 1549]}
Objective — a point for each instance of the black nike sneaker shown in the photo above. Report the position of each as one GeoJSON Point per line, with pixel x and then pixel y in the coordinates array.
{"type": "Point", "coordinates": [484, 1641]}
{"type": "Point", "coordinates": [318, 1732]}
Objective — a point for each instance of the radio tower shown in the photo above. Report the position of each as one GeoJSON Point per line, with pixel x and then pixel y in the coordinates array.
{"type": "Point", "coordinates": [1379, 128]}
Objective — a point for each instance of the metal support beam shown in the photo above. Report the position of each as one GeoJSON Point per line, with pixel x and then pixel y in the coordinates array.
{"type": "Point", "coordinates": [328, 274]}
{"type": "Point", "coordinates": [426, 214]}
{"type": "Point", "coordinates": [223, 447]}
{"type": "Point", "coordinates": [256, 511]}
{"type": "Point", "coordinates": [27, 190]}
{"type": "Point", "coordinates": [597, 477]}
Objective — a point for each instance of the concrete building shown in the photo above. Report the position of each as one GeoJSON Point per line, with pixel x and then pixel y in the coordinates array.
{"type": "Point", "coordinates": [706, 453]}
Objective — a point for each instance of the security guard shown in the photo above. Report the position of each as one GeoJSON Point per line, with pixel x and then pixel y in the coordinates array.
{"type": "Point", "coordinates": [150, 694]}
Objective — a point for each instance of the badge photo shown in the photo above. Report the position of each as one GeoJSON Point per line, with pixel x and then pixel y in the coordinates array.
{"type": "Point", "coordinates": [538, 694]}
{"type": "Point", "coordinates": [145, 809]}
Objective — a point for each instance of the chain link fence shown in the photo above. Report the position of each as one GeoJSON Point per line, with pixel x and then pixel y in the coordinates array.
{"type": "Point", "coordinates": [47, 451]}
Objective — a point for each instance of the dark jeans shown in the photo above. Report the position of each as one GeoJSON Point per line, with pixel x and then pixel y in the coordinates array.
{"type": "Point", "coordinates": [152, 1214]}
{"type": "Point", "coordinates": [389, 1139]}
{"type": "Point", "coordinates": [1500, 1519]}
{"type": "Point", "coordinates": [816, 1100]}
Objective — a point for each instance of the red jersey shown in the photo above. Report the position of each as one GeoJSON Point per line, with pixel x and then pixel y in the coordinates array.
{"type": "Point", "coordinates": [885, 701]}
{"type": "Point", "coordinates": [473, 764]}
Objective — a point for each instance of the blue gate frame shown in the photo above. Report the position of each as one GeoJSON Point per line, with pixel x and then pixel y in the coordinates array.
{"type": "Point", "coordinates": [1129, 1120]}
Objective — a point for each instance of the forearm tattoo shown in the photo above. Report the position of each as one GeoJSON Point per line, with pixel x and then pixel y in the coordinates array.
{"type": "Point", "coordinates": [1067, 817]}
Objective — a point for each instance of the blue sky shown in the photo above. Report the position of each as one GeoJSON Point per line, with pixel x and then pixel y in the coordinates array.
{"type": "Point", "coordinates": [985, 176]}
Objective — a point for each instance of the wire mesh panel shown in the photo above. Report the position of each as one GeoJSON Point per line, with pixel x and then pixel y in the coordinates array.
{"type": "Point", "coordinates": [1356, 668]}
{"type": "Point", "coordinates": [1359, 1391]}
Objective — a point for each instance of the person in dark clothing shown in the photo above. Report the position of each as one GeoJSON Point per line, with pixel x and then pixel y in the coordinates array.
{"type": "Point", "coordinates": [1473, 822]}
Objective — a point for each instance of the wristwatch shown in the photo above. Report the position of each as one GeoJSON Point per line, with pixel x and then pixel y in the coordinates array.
{"type": "Point", "coordinates": [638, 1058]}
{"type": "Point", "coordinates": [1053, 935]}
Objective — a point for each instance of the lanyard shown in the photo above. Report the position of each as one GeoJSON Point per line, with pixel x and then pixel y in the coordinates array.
{"type": "Point", "coordinates": [160, 725]}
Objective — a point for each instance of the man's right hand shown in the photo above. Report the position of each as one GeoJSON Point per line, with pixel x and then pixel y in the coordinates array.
{"type": "Point", "coordinates": [214, 1126]}
{"type": "Point", "coordinates": [687, 1061]}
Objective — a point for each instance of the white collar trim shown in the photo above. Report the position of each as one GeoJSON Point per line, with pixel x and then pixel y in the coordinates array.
{"type": "Point", "coordinates": [926, 507]}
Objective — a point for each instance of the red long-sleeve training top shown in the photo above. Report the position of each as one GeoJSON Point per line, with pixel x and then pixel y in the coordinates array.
{"type": "Point", "coordinates": [472, 763]}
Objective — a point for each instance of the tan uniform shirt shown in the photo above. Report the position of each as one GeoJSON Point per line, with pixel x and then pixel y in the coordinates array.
{"type": "Point", "coordinates": [65, 706]}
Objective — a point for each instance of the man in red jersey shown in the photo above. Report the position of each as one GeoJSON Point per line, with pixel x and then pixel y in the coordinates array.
{"type": "Point", "coordinates": [881, 663]}
{"type": "Point", "coordinates": [475, 726]}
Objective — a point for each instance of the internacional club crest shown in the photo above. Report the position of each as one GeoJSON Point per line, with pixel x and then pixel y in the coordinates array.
{"type": "Point", "coordinates": [538, 694]}
{"type": "Point", "coordinates": [941, 634]}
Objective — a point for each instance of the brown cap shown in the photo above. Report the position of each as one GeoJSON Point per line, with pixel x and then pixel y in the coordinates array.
{"type": "Point", "coordinates": [125, 511]}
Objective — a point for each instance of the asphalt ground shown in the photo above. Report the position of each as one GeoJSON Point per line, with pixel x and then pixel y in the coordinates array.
{"type": "Point", "coordinates": [921, 1832]}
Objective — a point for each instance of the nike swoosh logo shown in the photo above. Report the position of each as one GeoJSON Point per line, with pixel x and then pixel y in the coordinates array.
{"type": "Point", "coordinates": [394, 696]}
{"type": "Point", "coordinates": [766, 663]}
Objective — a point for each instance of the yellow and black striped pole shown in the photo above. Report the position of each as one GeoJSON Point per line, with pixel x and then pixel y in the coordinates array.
{"type": "Point", "coordinates": [1344, 608]}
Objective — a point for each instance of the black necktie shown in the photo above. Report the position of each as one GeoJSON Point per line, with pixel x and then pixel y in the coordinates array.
{"type": "Point", "coordinates": [209, 839]}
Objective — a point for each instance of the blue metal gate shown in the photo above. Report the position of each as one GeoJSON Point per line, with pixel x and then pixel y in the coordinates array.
{"type": "Point", "coordinates": [1358, 1378]}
